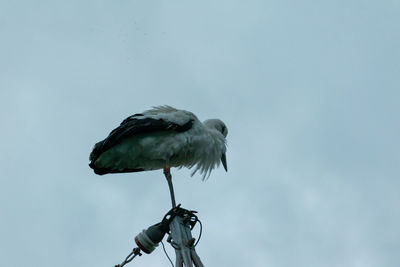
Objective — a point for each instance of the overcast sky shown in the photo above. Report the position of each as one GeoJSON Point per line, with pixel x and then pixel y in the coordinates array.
{"type": "Point", "coordinates": [309, 91]}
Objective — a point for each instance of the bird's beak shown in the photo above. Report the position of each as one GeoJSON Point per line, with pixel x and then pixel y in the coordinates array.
{"type": "Point", "coordinates": [223, 160]}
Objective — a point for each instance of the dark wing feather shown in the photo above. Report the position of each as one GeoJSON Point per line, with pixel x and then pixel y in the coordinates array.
{"type": "Point", "coordinates": [135, 124]}
{"type": "Point", "coordinates": [101, 171]}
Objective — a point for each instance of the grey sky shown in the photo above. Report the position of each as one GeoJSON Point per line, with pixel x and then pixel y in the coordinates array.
{"type": "Point", "coordinates": [309, 91]}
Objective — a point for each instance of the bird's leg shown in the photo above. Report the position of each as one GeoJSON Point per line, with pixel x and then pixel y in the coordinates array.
{"type": "Point", "coordinates": [168, 176]}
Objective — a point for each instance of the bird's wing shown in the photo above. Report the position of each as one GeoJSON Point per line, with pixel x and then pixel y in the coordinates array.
{"type": "Point", "coordinates": [178, 121]}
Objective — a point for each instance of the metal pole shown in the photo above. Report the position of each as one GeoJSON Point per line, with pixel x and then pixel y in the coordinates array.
{"type": "Point", "coordinates": [181, 235]}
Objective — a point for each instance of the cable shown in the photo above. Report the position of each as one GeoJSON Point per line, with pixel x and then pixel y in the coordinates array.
{"type": "Point", "coordinates": [129, 258]}
{"type": "Point", "coordinates": [162, 243]}
{"type": "Point", "coordinates": [201, 230]}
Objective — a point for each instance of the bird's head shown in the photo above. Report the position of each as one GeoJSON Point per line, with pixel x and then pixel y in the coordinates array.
{"type": "Point", "coordinates": [220, 127]}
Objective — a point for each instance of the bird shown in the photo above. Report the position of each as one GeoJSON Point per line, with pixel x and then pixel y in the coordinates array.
{"type": "Point", "coordinates": [161, 138]}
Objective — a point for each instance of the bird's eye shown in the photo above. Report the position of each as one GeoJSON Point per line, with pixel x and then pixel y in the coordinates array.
{"type": "Point", "coordinates": [223, 129]}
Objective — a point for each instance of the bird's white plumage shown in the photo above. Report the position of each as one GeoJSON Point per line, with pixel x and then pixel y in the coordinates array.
{"type": "Point", "coordinates": [202, 146]}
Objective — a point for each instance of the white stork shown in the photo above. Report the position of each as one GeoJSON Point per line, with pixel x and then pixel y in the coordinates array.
{"type": "Point", "coordinates": [161, 138]}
